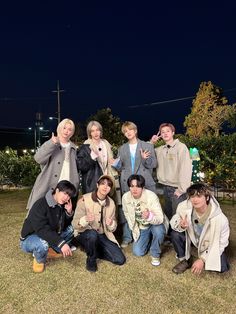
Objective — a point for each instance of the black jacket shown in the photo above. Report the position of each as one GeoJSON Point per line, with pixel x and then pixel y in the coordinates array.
{"type": "Point", "coordinates": [47, 220]}
{"type": "Point", "coordinates": [89, 169]}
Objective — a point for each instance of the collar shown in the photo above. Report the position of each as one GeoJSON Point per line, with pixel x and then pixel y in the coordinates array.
{"type": "Point", "coordinates": [95, 198]}
{"type": "Point", "coordinates": [171, 145]}
{"type": "Point", "coordinates": [50, 199]}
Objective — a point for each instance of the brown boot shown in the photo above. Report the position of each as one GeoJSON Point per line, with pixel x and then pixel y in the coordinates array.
{"type": "Point", "coordinates": [181, 267]}
{"type": "Point", "coordinates": [53, 254]}
{"type": "Point", "coordinates": [38, 267]}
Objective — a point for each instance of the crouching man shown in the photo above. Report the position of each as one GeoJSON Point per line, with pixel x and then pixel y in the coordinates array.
{"type": "Point", "coordinates": [48, 225]}
{"type": "Point", "coordinates": [200, 221]}
{"type": "Point", "coordinates": [145, 218]}
{"type": "Point", "coordinates": [94, 223]}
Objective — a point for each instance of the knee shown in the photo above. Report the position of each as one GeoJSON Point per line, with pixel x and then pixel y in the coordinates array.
{"type": "Point", "coordinates": [121, 260]}
{"type": "Point", "coordinates": [137, 251]}
{"type": "Point", "coordinates": [159, 231]}
{"type": "Point", "coordinates": [92, 235]}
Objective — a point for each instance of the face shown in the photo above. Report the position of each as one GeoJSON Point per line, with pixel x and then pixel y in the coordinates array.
{"type": "Point", "coordinates": [103, 188]}
{"type": "Point", "coordinates": [61, 197]}
{"type": "Point", "coordinates": [198, 201]}
{"type": "Point", "coordinates": [67, 131]}
{"type": "Point", "coordinates": [135, 190]}
{"type": "Point", "coordinates": [95, 133]}
{"type": "Point", "coordinates": [130, 134]}
{"type": "Point", "coordinates": [167, 134]}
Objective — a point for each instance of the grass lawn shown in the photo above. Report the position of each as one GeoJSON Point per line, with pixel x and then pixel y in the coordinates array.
{"type": "Point", "coordinates": [136, 287]}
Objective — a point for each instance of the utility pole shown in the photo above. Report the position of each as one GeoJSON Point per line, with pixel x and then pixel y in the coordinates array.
{"type": "Point", "coordinates": [58, 91]}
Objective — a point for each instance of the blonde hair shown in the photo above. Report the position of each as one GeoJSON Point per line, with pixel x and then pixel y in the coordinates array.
{"type": "Point", "coordinates": [90, 125]}
{"type": "Point", "coordinates": [128, 125]}
{"type": "Point", "coordinates": [62, 124]}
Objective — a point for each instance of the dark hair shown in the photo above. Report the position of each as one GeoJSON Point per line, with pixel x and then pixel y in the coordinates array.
{"type": "Point", "coordinates": [140, 180]}
{"type": "Point", "coordinates": [67, 187]}
{"type": "Point", "coordinates": [199, 189]}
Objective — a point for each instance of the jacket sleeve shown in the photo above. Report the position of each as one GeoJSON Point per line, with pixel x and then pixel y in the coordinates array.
{"type": "Point", "coordinates": [185, 169]}
{"type": "Point", "coordinates": [83, 159]}
{"type": "Point", "coordinates": [151, 161]}
{"type": "Point", "coordinates": [224, 234]}
{"type": "Point", "coordinates": [45, 152]}
{"type": "Point", "coordinates": [126, 211]}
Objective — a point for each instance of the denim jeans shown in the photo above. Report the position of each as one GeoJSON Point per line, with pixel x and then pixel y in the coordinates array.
{"type": "Point", "coordinates": [179, 241]}
{"type": "Point", "coordinates": [39, 247]}
{"type": "Point", "coordinates": [99, 246]}
{"type": "Point", "coordinates": [152, 238]}
{"type": "Point", "coordinates": [171, 201]}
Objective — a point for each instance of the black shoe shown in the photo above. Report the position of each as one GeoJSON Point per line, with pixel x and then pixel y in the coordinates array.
{"type": "Point", "coordinates": [91, 265]}
{"type": "Point", "coordinates": [181, 267]}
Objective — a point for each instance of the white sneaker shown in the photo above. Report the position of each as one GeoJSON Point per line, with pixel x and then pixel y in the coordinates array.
{"type": "Point", "coordinates": [155, 261]}
{"type": "Point", "coordinates": [73, 248]}
{"type": "Point", "coordinates": [124, 244]}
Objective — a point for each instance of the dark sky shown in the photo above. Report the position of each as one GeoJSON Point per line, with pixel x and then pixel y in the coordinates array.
{"type": "Point", "coordinates": [113, 54]}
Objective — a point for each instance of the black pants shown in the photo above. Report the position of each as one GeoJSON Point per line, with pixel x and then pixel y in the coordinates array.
{"type": "Point", "coordinates": [178, 240]}
{"type": "Point", "coordinates": [99, 246]}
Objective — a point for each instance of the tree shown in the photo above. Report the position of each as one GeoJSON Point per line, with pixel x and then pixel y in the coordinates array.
{"type": "Point", "coordinates": [209, 111]}
{"type": "Point", "coordinates": [111, 126]}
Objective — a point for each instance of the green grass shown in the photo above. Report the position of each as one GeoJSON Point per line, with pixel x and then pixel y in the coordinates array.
{"type": "Point", "coordinates": [136, 287]}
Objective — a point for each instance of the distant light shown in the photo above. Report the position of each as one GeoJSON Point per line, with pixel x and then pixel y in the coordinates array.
{"type": "Point", "coordinates": [24, 151]}
{"type": "Point", "coordinates": [41, 128]}
{"type": "Point", "coordinates": [32, 150]}
{"type": "Point", "coordinates": [7, 151]}
{"type": "Point", "coordinates": [30, 128]}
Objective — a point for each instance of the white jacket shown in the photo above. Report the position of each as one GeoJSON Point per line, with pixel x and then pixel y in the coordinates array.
{"type": "Point", "coordinates": [148, 200]}
{"type": "Point", "coordinates": [214, 237]}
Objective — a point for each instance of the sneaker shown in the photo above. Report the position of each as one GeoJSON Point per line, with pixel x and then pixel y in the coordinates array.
{"type": "Point", "coordinates": [181, 267]}
{"type": "Point", "coordinates": [155, 261]}
{"type": "Point", "coordinates": [38, 267]}
{"type": "Point", "coordinates": [53, 254]}
{"type": "Point", "coordinates": [124, 244]}
{"type": "Point", "coordinates": [73, 248]}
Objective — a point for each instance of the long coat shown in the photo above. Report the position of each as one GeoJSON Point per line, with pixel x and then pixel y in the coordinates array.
{"type": "Point", "coordinates": [143, 167]}
{"type": "Point", "coordinates": [50, 157]}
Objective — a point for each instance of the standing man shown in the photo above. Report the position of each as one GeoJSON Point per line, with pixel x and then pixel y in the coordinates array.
{"type": "Point", "coordinates": [48, 225]}
{"type": "Point", "coordinates": [174, 168]}
{"type": "Point", "coordinates": [134, 157]}
{"type": "Point", "coordinates": [145, 218]}
{"type": "Point", "coordinates": [94, 223]}
{"type": "Point", "coordinates": [199, 221]}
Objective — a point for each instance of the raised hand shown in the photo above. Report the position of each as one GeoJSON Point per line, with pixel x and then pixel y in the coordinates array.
{"type": "Point", "coordinates": [184, 222]}
{"type": "Point", "coordinates": [145, 153]}
{"type": "Point", "coordinates": [54, 138]}
{"type": "Point", "coordinates": [155, 138]}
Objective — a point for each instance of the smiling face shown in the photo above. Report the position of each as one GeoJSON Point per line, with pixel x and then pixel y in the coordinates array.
{"type": "Point", "coordinates": [95, 133]}
{"type": "Point", "coordinates": [130, 134]}
{"type": "Point", "coordinates": [167, 134]}
{"type": "Point", "coordinates": [103, 188]}
{"type": "Point", "coordinates": [66, 132]}
{"type": "Point", "coordinates": [199, 202]}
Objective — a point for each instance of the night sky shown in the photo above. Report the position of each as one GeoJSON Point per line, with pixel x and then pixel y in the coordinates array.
{"type": "Point", "coordinates": [116, 54]}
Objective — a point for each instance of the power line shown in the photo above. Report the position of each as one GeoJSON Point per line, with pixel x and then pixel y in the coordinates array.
{"type": "Point", "coordinates": [171, 100]}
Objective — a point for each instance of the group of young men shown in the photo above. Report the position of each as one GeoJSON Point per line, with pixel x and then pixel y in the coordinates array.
{"type": "Point", "coordinates": [191, 216]}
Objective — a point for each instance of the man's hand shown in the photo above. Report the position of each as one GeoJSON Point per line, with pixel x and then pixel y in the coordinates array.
{"type": "Point", "coordinates": [68, 206]}
{"type": "Point", "coordinates": [177, 193]}
{"type": "Point", "coordinates": [54, 139]}
{"type": "Point", "coordinates": [109, 221]}
{"type": "Point", "coordinates": [145, 153]}
{"type": "Point", "coordinates": [184, 222]}
{"type": "Point", "coordinates": [66, 251]}
{"type": "Point", "coordinates": [90, 217]}
{"type": "Point", "coordinates": [155, 138]}
{"type": "Point", "coordinates": [145, 214]}
{"type": "Point", "coordinates": [197, 267]}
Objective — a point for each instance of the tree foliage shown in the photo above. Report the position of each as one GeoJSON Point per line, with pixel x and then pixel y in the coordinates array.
{"type": "Point", "coordinates": [209, 111]}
